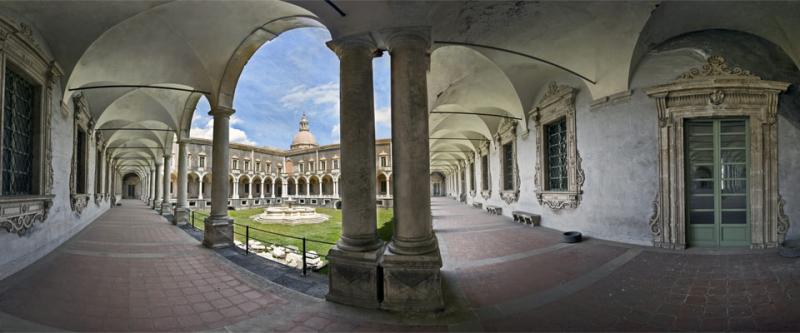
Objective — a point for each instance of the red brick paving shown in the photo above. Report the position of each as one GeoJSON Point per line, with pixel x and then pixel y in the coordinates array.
{"type": "Point", "coordinates": [495, 243]}
{"type": "Point", "coordinates": [93, 284]}
{"type": "Point", "coordinates": [492, 284]}
{"type": "Point", "coordinates": [132, 271]}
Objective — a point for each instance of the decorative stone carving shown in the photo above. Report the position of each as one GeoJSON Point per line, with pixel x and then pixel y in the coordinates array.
{"type": "Point", "coordinates": [558, 102]}
{"type": "Point", "coordinates": [655, 228]}
{"type": "Point", "coordinates": [20, 216]}
{"type": "Point", "coordinates": [716, 67]}
{"type": "Point", "coordinates": [715, 90]}
{"type": "Point", "coordinates": [78, 202]}
{"type": "Point", "coordinates": [783, 220]}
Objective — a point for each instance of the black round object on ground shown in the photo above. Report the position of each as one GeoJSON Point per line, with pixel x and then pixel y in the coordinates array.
{"type": "Point", "coordinates": [572, 237]}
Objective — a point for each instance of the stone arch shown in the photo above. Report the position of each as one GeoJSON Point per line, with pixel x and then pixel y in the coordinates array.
{"type": "Point", "coordinates": [250, 44]}
{"type": "Point", "coordinates": [672, 19]}
{"type": "Point", "coordinates": [327, 185]}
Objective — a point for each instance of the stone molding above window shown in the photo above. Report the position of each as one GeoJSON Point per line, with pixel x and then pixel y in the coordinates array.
{"type": "Point", "coordinates": [507, 133]}
{"type": "Point", "coordinates": [20, 49]}
{"type": "Point", "coordinates": [82, 119]}
{"type": "Point", "coordinates": [715, 90]}
{"type": "Point", "coordinates": [558, 102]}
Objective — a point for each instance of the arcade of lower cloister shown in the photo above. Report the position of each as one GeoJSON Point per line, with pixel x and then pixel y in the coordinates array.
{"type": "Point", "coordinates": [263, 177]}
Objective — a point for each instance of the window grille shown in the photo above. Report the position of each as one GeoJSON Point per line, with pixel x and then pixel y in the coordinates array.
{"type": "Point", "coordinates": [18, 135]}
{"type": "Point", "coordinates": [556, 134]}
{"type": "Point", "coordinates": [508, 166]}
{"type": "Point", "coordinates": [485, 172]}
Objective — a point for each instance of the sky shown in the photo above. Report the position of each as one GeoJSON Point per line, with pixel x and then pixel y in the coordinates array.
{"type": "Point", "coordinates": [292, 74]}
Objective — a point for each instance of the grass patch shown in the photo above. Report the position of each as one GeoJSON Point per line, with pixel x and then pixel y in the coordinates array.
{"type": "Point", "coordinates": [328, 231]}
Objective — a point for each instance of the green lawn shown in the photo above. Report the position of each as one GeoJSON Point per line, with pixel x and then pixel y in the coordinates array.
{"type": "Point", "coordinates": [327, 231]}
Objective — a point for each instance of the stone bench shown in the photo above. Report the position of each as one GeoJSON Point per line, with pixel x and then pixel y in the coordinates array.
{"type": "Point", "coordinates": [494, 210]}
{"type": "Point", "coordinates": [526, 218]}
{"type": "Point", "coordinates": [477, 205]}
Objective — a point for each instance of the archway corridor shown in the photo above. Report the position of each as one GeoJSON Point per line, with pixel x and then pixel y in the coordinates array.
{"type": "Point", "coordinates": [131, 270]}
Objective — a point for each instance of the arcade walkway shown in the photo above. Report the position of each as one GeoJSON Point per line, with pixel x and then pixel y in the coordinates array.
{"type": "Point", "coordinates": [132, 271]}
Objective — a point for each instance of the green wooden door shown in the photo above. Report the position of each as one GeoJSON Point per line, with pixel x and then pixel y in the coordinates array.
{"type": "Point", "coordinates": [716, 182]}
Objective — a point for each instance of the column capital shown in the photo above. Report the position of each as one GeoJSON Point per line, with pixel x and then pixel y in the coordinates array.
{"type": "Point", "coordinates": [355, 43]}
{"type": "Point", "coordinates": [221, 111]}
{"type": "Point", "coordinates": [394, 37]}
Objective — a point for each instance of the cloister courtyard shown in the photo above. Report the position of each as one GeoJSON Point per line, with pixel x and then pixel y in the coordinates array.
{"type": "Point", "coordinates": [347, 165]}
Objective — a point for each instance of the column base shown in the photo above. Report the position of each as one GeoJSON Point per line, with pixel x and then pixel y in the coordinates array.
{"type": "Point", "coordinates": [414, 247]}
{"type": "Point", "coordinates": [412, 283]}
{"type": "Point", "coordinates": [218, 232]}
{"type": "Point", "coordinates": [354, 277]}
{"type": "Point", "coordinates": [181, 216]}
{"type": "Point", "coordinates": [156, 204]}
{"type": "Point", "coordinates": [166, 208]}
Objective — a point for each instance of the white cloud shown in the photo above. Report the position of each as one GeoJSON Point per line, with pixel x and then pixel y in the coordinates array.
{"type": "Point", "coordinates": [203, 127]}
{"type": "Point", "coordinates": [324, 94]}
{"type": "Point", "coordinates": [335, 132]}
{"type": "Point", "coordinates": [383, 116]}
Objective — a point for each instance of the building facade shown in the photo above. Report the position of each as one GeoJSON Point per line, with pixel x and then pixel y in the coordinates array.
{"type": "Point", "coordinates": [263, 176]}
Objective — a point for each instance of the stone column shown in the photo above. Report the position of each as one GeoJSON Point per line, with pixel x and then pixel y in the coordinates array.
{"type": "Point", "coordinates": [250, 188]}
{"type": "Point", "coordinates": [308, 188]}
{"type": "Point", "coordinates": [200, 188]}
{"type": "Point", "coordinates": [166, 206]}
{"type": "Point", "coordinates": [412, 262]}
{"type": "Point", "coordinates": [159, 184]}
{"type": "Point", "coordinates": [235, 189]}
{"type": "Point", "coordinates": [261, 189]}
{"type": "Point", "coordinates": [319, 185]}
{"type": "Point", "coordinates": [272, 194]}
{"type": "Point", "coordinates": [389, 186]}
{"type": "Point", "coordinates": [103, 171]}
{"type": "Point", "coordinates": [182, 205]}
{"type": "Point", "coordinates": [354, 276]}
{"type": "Point", "coordinates": [151, 188]}
{"type": "Point", "coordinates": [296, 188]}
{"type": "Point", "coordinates": [336, 188]}
{"type": "Point", "coordinates": [285, 187]}
{"type": "Point", "coordinates": [218, 226]}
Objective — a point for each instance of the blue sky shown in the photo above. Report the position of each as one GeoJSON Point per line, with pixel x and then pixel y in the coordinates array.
{"type": "Point", "coordinates": [289, 75]}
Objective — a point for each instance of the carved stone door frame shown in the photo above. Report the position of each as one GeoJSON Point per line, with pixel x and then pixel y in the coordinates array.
{"type": "Point", "coordinates": [715, 91]}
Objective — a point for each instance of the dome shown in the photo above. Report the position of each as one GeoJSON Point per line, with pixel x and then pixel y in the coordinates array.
{"type": "Point", "coordinates": [304, 138]}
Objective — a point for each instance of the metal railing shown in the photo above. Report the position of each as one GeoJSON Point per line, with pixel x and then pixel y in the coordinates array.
{"type": "Point", "coordinates": [247, 237]}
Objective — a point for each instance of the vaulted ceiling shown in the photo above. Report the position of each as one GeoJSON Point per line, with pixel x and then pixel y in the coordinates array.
{"type": "Point", "coordinates": [491, 60]}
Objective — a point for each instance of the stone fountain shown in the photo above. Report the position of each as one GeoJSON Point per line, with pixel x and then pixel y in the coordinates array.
{"type": "Point", "coordinates": [288, 214]}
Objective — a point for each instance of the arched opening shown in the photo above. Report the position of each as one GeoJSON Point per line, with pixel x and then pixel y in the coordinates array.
{"type": "Point", "coordinates": [327, 185]}
{"type": "Point", "coordinates": [268, 190]}
{"type": "Point", "coordinates": [244, 186]}
{"type": "Point", "coordinates": [278, 188]}
{"type": "Point", "coordinates": [193, 187]}
{"type": "Point", "coordinates": [438, 185]}
{"type": "Point", "coordinates": [257, 187]}
{"type": "Point", "coordinates": [383, 185]}
{"type": "Point", "coordinates": [291, 187]}
{"type": "Point", "coordinates": [131, 186]}
{"type": "Point", "coordinates": [206, 186]}
{"type": "Point", "coordinates": [314, 186]}
{"type": "Point", "coordinates": [302, 186]}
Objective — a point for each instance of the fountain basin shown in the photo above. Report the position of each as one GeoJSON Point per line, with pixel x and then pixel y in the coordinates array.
{"type": "Point", "coordinates": [290, 215]}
